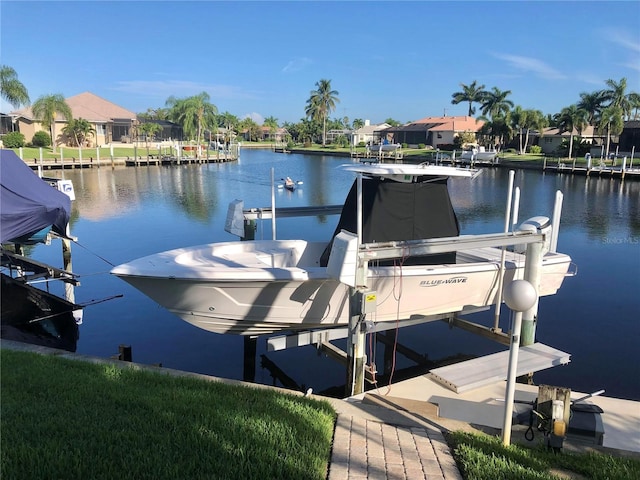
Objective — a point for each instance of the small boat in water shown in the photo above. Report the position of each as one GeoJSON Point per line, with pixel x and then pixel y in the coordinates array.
{"type": "Point", "coordinates": [266, 286]}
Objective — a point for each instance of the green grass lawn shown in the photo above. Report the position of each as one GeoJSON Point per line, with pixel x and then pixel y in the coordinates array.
{"type": "Point", "coordinates": [71, 419]}
{"type": "Point", "coordinates": [483, 457]}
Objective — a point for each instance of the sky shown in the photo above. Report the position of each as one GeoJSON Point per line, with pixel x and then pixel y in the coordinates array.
{"type": "Point", "coordinates": [399, 60]}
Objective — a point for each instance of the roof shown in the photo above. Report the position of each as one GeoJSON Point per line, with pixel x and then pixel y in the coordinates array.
{"type": "Point", "coordinates": [588, 131]}
{"type": "Point", "coordinates": [89, 106]}
{"type": "Point", "coordinates": [442, 124]}
{"type": "Point", "coordinates": [370, 129]}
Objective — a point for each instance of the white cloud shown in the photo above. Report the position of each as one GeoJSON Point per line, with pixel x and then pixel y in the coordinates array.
{"type": "Point", "coordinates": [256, 117]}
{"type": "Point", "coordinates": [533, 65]}
{"type": "Point", "coordinates": [622, 38]}
{"type": "Point", "coordinates": [179, 89]}
{"type": "Point", "coordinates": [296, 65]}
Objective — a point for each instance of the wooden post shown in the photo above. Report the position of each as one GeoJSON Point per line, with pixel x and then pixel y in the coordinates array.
{"type": "Point", "coordinates": [124, 353]}
{"type": "Point", "coordinates": [69, 293]}
{"type": "Point", "coordinates": [249, 366]}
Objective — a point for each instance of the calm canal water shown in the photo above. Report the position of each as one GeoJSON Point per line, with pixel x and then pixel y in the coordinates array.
{"type": "Point", "coordinates": [130, 212]}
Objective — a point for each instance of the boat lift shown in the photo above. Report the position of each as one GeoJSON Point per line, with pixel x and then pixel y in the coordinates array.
{"type": "Point", "coordinates": [348, 263]}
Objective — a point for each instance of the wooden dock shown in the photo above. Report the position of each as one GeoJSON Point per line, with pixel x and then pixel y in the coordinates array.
{"type": "Point", "coordinates": [129, 161]}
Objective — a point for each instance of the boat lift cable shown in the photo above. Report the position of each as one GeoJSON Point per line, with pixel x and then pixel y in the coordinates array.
{"type": "Point", "coordinates": [93, 253]}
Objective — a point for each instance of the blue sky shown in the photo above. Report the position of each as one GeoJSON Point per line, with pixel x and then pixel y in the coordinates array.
{"type": "Point", "coordinates": [400, 60]}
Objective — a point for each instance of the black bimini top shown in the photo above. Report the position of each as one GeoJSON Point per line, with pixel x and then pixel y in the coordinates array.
{"type": "Point", "coordinates": [394, 211]}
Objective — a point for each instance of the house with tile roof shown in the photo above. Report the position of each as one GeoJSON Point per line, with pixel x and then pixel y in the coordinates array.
{"type": "Point", "coordinates": [111, 122]}
{"type": "Point", "coordinates": [433, 131]}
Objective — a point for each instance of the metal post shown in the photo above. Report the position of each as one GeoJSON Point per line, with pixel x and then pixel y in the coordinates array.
{"type": "Point", "coordinates": [496, 321]}
{"type": "Point", "coordinates": [273, 205]}
{"type": "Point", "coordinates": [519, 295]}
{"type": "Point", "coordinates": [355, 347]}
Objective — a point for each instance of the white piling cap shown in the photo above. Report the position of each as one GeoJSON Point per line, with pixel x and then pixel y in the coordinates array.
{"type": "Point", "coordinates": [520, 295]}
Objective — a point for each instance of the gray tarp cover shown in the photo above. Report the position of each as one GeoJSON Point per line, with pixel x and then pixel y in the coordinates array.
{"type": "Point", "coordinates": [28, 204]}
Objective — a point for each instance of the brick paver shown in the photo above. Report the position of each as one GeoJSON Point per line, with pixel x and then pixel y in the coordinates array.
{"type": "Point", "coordinates": [370, 450]}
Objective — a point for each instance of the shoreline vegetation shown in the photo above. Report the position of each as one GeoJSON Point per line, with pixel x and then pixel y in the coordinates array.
{"type": "Point", "coordinates": [107, 419]}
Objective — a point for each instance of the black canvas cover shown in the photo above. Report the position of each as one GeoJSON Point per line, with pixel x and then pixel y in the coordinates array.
{"type": "Point", "coordinates": [27, 203]}
{"type": "Point", "coordinates": [393, 211]}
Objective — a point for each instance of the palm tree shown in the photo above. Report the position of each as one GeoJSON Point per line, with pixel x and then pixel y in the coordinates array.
{"type": "Point", "coordinates": [11, 89]}
{"type": "Point", "coordinates": [78, 129]}
{"type": "Point", "coordinates": [46, 108]}
{"type": "Point", "coordinates": [535, 120]}
{"type": "Point", "coordinates": [321, 103]}
{"type": "Point", "coordinates": [569, 119]}
{"type": "Point", "coordinates": [495, 103]}
{"type": "Point", "coordinates": [634, 98]}
{"type": "Point", "coordinates": [272, 123]}
{"type": "Point", "coordinates": [518, 118]}
{"type": "Point", "coordinates": [357, 123]}
{"type": "Point", "coordinates": [591, 103]}
{"type": "Point", "coordinates": [618, 97]}
{"type": "Point", "coordinates": [611, 122]}
{"type": "Point", "coordinates": [470, 93]}
{"type": "Point", "coordinates": [194, 114]}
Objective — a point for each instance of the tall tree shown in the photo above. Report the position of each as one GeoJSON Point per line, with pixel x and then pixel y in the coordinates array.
{"type": "Point", "coordinates": [357, 123]}
{"type": "Point", "coordinates": [194, 114]}
{"type": "Point", "coordinates": [11, 89]}
{"type": "Point", "coordinates": [617, 96]}
{"type": "Point", "coordinates": [46, 108]}
{"type": "Point", "coordinates": [518, 119]}
{"type": "Point", "coordinates": [534, 120]}
{"type": "Point", "coordinates": [472, 93]}
{"type": "Point", "coordinates": [272, 123]}
{"type": "Point", "coordinates": [634, 98]}
{"type": "Point", "coordinates": [611, 123]}
{"type": "Point", "coordinates": [569, 119]}
{"type": "Point", "coordinates": [321, 103]}
{"type": "Point", "coordinates": [591, 103]}
{"type": "Point", "coordinates": [495, 103]}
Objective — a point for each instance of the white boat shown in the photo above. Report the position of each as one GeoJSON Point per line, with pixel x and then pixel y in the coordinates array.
{"type": "Point", "coordinates": [266, 286]}
{"type": "Point", "coordinates": [385, 147]}
{"type": "Point", "coordinates": [478, 155]}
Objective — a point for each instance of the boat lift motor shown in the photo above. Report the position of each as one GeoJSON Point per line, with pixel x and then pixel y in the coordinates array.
{"type": "Point", "coordinates": [539, 224]}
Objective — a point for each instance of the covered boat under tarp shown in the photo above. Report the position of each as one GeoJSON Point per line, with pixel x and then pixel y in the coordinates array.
{"type": "Point", "coordinates": [28, 204]}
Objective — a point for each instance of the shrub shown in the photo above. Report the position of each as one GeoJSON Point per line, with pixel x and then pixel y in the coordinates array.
{"type": "Point", "coordinates": [421, 146]}
{"type": "Point", "coordinates": [535, 149]}
{"type": "Point", "coordinates": [13, 140]}
{"type": "Point", "coordinates": [362, 144]}
{"type": "Point", "coordinates": [41, 139]}
{"type": "Point", "coordinates": [404, 145]}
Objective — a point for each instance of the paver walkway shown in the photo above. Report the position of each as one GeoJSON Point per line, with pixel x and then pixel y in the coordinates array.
{"type": "Point", "coordinates": [368, 449]}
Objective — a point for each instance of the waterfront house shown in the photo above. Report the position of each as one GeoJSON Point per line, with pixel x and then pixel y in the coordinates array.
{"type": "Point", "coordinates": [368, 134]}
{"type": "Point", "coordinates": [438, 132]}
{"type": "Point", "coordinates": [111, 122]}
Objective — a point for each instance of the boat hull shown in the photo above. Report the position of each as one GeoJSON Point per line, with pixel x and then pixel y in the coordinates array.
{"type": "Point", "coordinates": [263, 287]}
